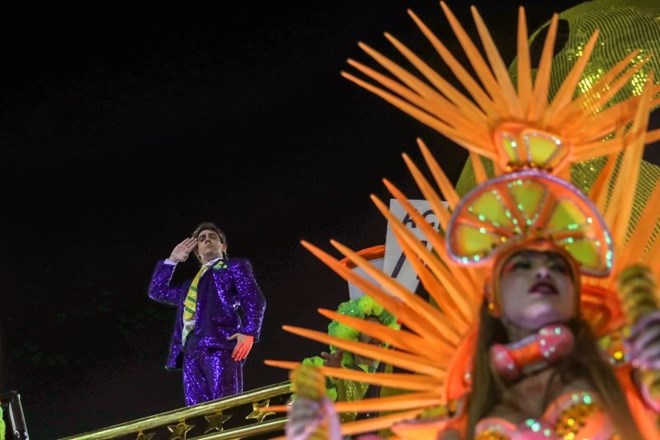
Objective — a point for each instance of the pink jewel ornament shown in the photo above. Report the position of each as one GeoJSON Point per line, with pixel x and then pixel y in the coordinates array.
{"type": "Point", "coordinates": [534, 430]}
{"type": "Point", "coordinates": [550, 344]}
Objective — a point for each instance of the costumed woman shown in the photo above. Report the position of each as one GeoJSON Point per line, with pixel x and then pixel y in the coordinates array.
{"type": "Point", "coordinates": [547, 323]}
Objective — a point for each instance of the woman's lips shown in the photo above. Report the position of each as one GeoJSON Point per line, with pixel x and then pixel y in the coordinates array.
{"type": "Point", "coordinates": [544, 288]}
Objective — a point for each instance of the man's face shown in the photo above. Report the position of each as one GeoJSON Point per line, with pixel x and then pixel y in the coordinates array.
{"type": "Point", "coordinates": [536, 289]}
{"type": "Point", "coordinates": [209, 245]}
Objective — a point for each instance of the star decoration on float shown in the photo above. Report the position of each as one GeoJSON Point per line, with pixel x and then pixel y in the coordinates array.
{"type": "Point", "coordinates": [180, 431]}
{"type": "Point", "coordinates": [259, 411]}
{"type": "Point", "coordinates": [216, 421]}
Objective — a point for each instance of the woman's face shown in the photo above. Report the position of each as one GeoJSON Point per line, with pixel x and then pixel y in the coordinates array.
{"type": "Point", "coordinates": [536, 289]}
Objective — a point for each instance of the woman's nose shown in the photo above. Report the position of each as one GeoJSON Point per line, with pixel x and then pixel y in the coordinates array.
{"type": "Point", "coordinates": [542, 272]}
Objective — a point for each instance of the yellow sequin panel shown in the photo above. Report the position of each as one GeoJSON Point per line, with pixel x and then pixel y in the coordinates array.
{"type": "Point", "coordinates": [488, 207]}
{"type": "Point", "coordinates": [543, 149]}
{"type": "Point", "coordinates": [475, 241]}
{"type": "Point", "coordinates": [512, 149]}
{"type": "Point", "coordinates": [584, 251]}
{"type": "Point", "coordinates": [566, 216]}
{"type": "Point", "coordinates": [528, 196]}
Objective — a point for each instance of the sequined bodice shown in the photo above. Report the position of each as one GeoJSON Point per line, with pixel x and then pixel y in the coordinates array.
{"type": "Point", "coordinates": [572, 415]}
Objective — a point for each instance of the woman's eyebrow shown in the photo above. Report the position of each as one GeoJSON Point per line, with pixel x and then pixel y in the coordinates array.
{"type": "Point", "coordinates": [523, 254]}
{"type": "Point", "coordinates": [555, 259]}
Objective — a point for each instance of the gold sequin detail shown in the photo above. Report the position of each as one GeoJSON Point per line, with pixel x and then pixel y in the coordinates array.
{"type": "Point", "coordinates": [573, 419]}
{"type": "Point", "coordinates": [491, 434]}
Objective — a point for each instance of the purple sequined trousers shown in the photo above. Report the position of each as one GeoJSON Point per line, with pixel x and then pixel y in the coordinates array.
{"type": "Point", "coordinates": [210, 374]}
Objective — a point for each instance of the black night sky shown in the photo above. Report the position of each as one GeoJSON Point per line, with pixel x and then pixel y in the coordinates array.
{"type": "Point", "coordinates": [122, 129]}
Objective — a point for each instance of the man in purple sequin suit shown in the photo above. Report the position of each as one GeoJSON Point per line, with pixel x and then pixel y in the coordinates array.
{"type": "Point", "coordinates": [212, 345]}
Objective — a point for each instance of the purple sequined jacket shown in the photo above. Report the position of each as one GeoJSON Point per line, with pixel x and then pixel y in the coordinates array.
{"type": "Point", "coordinates": [229, 301]}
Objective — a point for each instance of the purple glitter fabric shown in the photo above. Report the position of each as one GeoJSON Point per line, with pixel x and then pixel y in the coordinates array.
{"type": "Point", "coordinates": [229, 301]}
{"type": "Point", "coordinates": [210, 374]}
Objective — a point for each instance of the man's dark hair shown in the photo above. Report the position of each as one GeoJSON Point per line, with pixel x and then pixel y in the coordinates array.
{"type": "Point", "coordinates": [212, 227]}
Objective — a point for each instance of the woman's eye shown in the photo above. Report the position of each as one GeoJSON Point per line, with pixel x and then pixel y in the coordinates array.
{"type": "Point", "coordinates": [521, 264]}
{"type": "Point", "coordinates": [561, 268]}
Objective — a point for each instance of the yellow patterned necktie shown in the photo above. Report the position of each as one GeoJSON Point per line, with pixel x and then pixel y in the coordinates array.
{"type": "Point", "coordinates": [190, 303]}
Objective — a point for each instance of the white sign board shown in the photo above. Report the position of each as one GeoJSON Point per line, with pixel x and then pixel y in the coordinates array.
{"type": "Point", "coordinates": [354, 292]}
{"type": "Point", "coordinates": [395, 263]}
